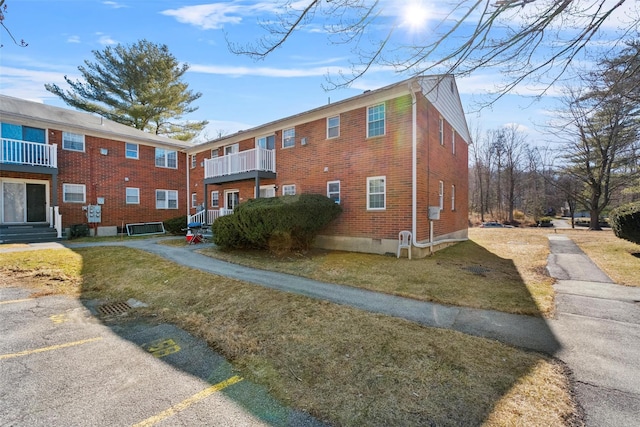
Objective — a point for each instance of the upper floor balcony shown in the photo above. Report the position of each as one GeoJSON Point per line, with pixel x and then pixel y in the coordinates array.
{"type": "Point", "coordinates": [243, 165]}
{"type": "Point", "coordinates": [25, 155]}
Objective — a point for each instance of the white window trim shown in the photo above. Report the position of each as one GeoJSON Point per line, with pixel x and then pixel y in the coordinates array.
{"type": "Point", "coordinates": [453, 141]}
{"type": "Point", "coordinates": [333, 127]}
{"type": "Point", "coordinates": [271, 189]}
{"type": "Point", "coordinates": [126, 155]}
{"type": "Point", "coordinates": [84, 145]}
{"type": "Point", "coordinates": [217, 193]}
{"type": "Point", "coordinates": [384, 120]}
{"type": "Point", "coordinates": [194, 161]}
{"type": "Point", "coordinates": [287, 188]}
{"type": "Point", "coordinates": [126, 196]}
{"type": "Point", "coordinates": [78, 186]}
{"type": "Point", "coordinates": [166, 200]}
{"type": "Point", "coordinates": [194, 200]}
{"type": "Point", "coordinates": [329, 193]}
{"type": "Point", "coordinates": [453, 197]}
{"type": "Point", "coordinates": [289, 138]}
{"type": "Point", "coordinates": [166, 158]}
{"type": "Point", "coordinates": [441, 194]}
{"type": "Point", "coordinates": [214, 153]}
{"type": "Point", "coordinates": [384, 193]}
{"type": "Point", "coordinates": [441, 130]}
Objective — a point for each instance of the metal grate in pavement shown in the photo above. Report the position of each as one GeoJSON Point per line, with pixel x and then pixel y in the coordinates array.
{"type": "Point", "coordinates": [113, 309]}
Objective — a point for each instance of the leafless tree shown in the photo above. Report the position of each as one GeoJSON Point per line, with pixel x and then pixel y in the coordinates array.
{"type": "Point", "coordinates": [527, 40]}
{"type": "Point", "coordinates": [3, 13]}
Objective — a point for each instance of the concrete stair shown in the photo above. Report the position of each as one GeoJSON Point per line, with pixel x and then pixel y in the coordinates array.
{"type": "Point", "coordinates": [37, 233]}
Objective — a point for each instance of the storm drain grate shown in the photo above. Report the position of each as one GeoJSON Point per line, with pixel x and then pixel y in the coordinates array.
{"type": "Point", "coordinates": [477, 269]}
{"type": "Point", "coordinates": [113, 309]}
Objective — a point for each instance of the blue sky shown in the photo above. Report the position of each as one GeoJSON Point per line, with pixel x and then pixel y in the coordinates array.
{"type": "Point", "coordinates": [237, 92]}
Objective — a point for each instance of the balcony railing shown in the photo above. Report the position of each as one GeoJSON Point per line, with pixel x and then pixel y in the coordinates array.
{"type": "Point", "coordinates": [258, 159]}
{"type": "Point", "coordinates": [28, 153]}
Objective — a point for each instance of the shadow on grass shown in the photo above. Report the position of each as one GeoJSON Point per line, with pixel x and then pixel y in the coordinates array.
{"type": "Point", "coordinates": [326, 348]}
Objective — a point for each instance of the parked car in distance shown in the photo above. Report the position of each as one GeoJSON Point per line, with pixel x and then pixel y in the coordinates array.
{"type": "Point", "coordinates": [493, 224]}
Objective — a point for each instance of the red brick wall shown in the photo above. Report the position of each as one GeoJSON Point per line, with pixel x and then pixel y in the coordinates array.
{"type": "Point", "coordinates": [352, 157]}
{"type": "Point", "coordinates": [105, 176]}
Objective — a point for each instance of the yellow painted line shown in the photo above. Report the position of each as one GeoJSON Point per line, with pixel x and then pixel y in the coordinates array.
{"type": "Point", "coordinates": [53, 347]}
{"type": "Point", "coordinates": [188, 402]}
{"type": "Point", "coordinates": [15, 300]}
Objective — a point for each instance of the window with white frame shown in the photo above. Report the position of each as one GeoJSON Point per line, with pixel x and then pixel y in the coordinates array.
{"type": "Point", "coordinates": [376, 193]}
{"type": "Point", "coordinates": [288, 138]}
{"type": "Point", "coordinates": [375, 120]}
{"type": "Point", "coordinates": [214, 153]}
{"type": "Point", "coordinates": [333, 127]}
{"type": "Point", "coordinates": [72, 141]}
{"type": "Point", "coordinates": [267, 191]}
{"type": "Point", "coordinates": [194, 161]}
{"type": "Point", "coordinates": [74, 193]}
{"type": "Point", "coordinates": [166, 158]}
{"type": "Point", "coordinates": [132, 196]}
{"type": "Point", "coordinates": [131, 151]}
{"type": "Point", "coordinates": [166, 199]}
{"type": "Point", "coordinates": [333, 191]}
{"type": "Point", "coordinates": [453, 141]}
{"type": "Point", "coordinates": [441, 194]}
{"type": "Point", "coordinates": [267, 142]}
{"type": "Point", "coordinates": [453, 197]}
{"type": "Point", "coordinates": [289, 190]}
{"type": "Point", "coordinates": [194, 200]}
{"type": "Point", "coordinates": [441, 130]}
{"type": "Point", "coordinates": [215, 199]}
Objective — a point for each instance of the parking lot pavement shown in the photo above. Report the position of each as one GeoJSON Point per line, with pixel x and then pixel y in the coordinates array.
{"type": "Point", "coordinates": [60, 366]}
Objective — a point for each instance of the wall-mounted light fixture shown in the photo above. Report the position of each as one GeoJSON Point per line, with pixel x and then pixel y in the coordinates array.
{"type": "Point", "coordinates": [104, 151]}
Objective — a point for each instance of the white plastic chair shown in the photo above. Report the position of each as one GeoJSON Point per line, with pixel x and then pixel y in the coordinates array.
{"type": "Point", "coordinates": [404, 241]}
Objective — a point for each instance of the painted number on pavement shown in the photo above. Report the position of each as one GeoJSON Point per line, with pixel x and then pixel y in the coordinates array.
{"type": "Point", "coordinates": [59, 318]}
{"type": "Point", "coordinates": [162, 347]}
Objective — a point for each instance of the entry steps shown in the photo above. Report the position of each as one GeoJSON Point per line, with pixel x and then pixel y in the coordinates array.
{"type": "Point", "coordinates": [36, 233]}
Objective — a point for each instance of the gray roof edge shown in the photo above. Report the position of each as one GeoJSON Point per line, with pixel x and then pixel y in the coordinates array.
{"type": "Point", "coordinates": [66, 119]}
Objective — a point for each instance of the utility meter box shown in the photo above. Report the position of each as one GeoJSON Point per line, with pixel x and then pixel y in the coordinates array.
{"type": "Point", "coordinates": [94, 213]}
{"type": "Point", "coordinates": [434, 212]}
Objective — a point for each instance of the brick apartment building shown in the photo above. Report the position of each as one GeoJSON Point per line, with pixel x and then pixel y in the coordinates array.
{"type": "Point", "coordinates": [57, 164]}
{"type": "Point", "coordinates": [386, 156]}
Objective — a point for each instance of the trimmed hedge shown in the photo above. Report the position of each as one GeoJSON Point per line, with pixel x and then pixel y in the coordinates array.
{"type": "Point", "coordinates": [175, 225]}
{"type": "Point", "coordinates": [277, 223]}
{"type": "Point", "coordinates": [625, 222]}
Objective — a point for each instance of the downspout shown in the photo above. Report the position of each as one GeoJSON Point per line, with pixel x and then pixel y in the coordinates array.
{"type": "Point", "coordinates": [188, 195]}
{"type": "Point", "coordinates": [414, 167]}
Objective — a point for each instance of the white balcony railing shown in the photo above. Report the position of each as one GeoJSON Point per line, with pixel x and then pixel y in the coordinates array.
{"type": "Point", "coordinates": [28, 153]}
{"type": "Point", "coordinates": [208, 217]}
{"type": "Point", "coordinates": [258, 159]}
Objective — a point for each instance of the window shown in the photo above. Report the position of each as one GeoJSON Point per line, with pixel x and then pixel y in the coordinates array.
{"type": "Point", "coordinates": [133, 196]}
{"type": "Point", "coordinates": [441, 130]}
{"type": "Point", "coordinates": [441, 194]}
{"type": "Point", "coordinates": [72, 141]}
{"type": "Point", "coordinates": [215, 199]}
{"type": "Point", "coordinates": [333, 191]}
{"type": "Point", "coordinates": [166, 199]}
{"type": "Point", "coordinates": [333, 127]}
{"type": "Point", "coordinates": [267, 191]}
{"type": "Point", "coordinates": [194, 162]}
{"type": "Point", "coordinates": [131, 150]}
{"type": "Point", "coordinates": [375, 120]}
{"type": "Point", "coordinates": [289, 190]}
{"type": "Point", "coordinates": [453, 197]}
{"type": "Point", "coordinates": [166, 158]}
{"type": "Point", "coordinates": [214, 153]}
{"type": "Point", "coordinates": [376, 193]}
{"type": "Point", "coordinates": [74, 193]}
{"type": "Point", "coordinates": [194, 200]}
{"type": "Point", "coordinates": [267, 142]}
{"type": "Point", "coordinates": [453, 141]}
{"type": "Point", "coordinates": [288, 138]}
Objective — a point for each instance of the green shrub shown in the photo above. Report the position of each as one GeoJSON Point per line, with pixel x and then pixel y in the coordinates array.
{"type": "Point", "coordinates": [226, 233]}
{"type": "Point", "coordinates": [625, 222]}
{"type": "Point", "coordinates": [175, 225]}
{"type": "Point", "coordinates": [278, 223]}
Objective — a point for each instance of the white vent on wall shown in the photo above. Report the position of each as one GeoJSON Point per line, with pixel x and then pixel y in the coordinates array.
{"type": "Point", "coordinates": [303, 141]}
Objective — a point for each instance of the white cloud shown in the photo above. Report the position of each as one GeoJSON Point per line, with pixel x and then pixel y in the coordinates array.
{"type": "Point", "coordinates": [214, 16]}
{"type": "Point", "coordinates": [29, 84]}
{"type": "Point", "coordinates": [104, 39]}
{"type": "Point", "coordinates": [73, 39]}
{"type": "Point", "coordinates": [114, 4]}
{"type": "Point", "coordinates": [238, 71]}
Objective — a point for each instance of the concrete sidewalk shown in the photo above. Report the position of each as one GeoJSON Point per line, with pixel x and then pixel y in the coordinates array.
{"type": "Point", "coordinates": [597, 325]}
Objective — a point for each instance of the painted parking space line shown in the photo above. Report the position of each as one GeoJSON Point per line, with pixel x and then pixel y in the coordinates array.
{"type": "Point", "coordinates": [50, 348]}
{"type": "Point", "coordinates": [188, 402]}
{"type": "Point", "coordinates": [13, 301]}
